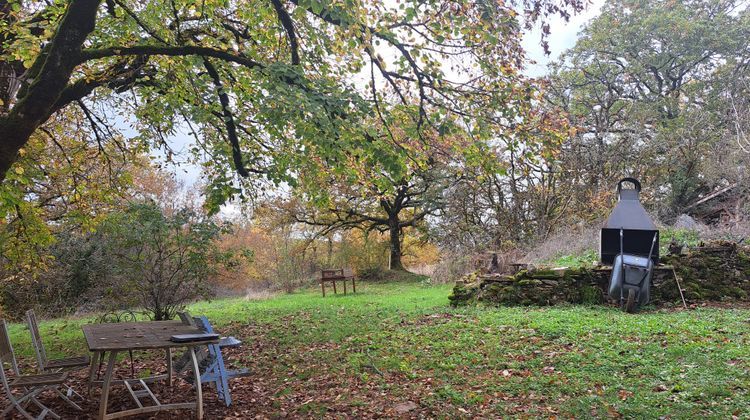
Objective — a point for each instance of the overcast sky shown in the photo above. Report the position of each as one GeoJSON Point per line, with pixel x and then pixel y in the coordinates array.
{"type": "Point", "coordinates": [563, 36]}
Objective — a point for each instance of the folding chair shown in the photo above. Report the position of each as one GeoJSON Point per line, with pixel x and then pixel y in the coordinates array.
{"type": "Point", "coordinates": [210, 359]}
{"type": "Point", "coordinates": [29, 385]}
{"type": "Point", "coordinates": [46, 365]}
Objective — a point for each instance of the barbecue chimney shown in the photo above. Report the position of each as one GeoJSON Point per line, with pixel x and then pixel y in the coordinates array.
{"type": "Point", "coordinates": [637, 228]}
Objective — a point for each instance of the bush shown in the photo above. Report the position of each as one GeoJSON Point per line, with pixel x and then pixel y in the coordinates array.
{"type": "Point", "coordinates": [77, 264]}
{"type": "Point", "coordinates": [451, 268]}
{"type": "Point", "coordinates": [371, 273]}
{"type": "Point", "coordinates": [162, 261]}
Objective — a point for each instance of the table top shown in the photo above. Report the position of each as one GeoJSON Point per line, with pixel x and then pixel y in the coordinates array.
{"type": "Point", "coordinates": [138, 335]}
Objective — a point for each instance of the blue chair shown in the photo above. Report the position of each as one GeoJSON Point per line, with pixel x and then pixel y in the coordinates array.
{"type": "Point", "coordinates": [210, 359]}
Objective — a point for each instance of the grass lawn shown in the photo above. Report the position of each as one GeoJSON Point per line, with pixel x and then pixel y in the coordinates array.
{"type": "Point", "coordinates": [398, 348]}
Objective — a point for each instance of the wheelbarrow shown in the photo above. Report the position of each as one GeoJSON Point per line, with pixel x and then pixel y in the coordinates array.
{"type": "Point", "coordinates": [630, 282]}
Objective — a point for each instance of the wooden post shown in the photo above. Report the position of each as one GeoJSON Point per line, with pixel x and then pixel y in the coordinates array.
{"type": "Point", "coordinates": [344, 286]}
{"type": "Point", "coordinates": [354, 286]}
{"type": "Point", "coordinates": [334, 287]}
{"type": "Point", "coordinates": [679, 287]}
{"type": "Point", "coordinates": [323, 286]}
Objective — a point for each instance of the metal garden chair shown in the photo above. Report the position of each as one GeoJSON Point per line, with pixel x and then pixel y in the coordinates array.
{"type": "Point", "coordinates": [210, 359]}
{"type": "Point", "coordinates": [30, 386]}
{"type": "Point", "coordinates": [46, 365]}
{"type": "Point", "coordinates": [115, 317]}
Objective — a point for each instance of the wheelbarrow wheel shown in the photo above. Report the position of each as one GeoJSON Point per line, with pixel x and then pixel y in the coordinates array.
{"type": "Point", "coordinates": [630, 303]}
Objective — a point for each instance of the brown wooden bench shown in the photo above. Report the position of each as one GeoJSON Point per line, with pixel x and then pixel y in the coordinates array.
{"type": "Point", "coordinates": [334, 275]}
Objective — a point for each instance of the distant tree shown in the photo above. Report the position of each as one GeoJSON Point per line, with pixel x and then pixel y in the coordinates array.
{"type": "Point", "coordinates": [400, 206]}
{"type": "Point", "coordinates": [516, 193]}
{"type": "Point", "coordinates": [391, 193]}
{"type": "Point", "coordinates": [647, 85]}
{"type": "Point", "coordinates": [163, 261]}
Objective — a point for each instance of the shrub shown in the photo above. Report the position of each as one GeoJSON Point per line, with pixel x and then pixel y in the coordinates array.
{"type": "Point", "coordinates": [162, 261]}
{"type": "Point", "coordinates": [451, 268]}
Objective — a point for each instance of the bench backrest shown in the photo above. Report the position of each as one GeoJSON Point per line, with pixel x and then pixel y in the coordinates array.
{"type": "Point", "coordinates": [36, 340]}
{"type": "Point", "coordinates": [327, 274]}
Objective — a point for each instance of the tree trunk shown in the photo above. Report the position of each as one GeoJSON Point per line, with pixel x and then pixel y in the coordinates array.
{"type": "Point", "coordinates": [329, 255]}
{"type": "Point", "coordinates": [395, 233]}
{"type": "Point", "coordinates": [50, 74]}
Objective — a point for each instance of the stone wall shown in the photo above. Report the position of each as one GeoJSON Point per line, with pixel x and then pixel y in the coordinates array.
{"type": "Point", "coordinates": [717, 271]}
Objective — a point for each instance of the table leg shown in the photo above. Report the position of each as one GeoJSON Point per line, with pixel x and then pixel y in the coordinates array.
{"type": "Point", "coordinates": [354, 286]}
{"type": "Point", "coordinates": [334, 288]}
{"type": "Point", "coordinates": [344, 286]}
{"type": "Point", "coordinates": [323, 287]}
{"type": "Point", "coordinates": [198, 389]}
{"type": "Point", "coordinates": [105, 385]}
{"type": "Point", "coordinates": [93, 368]}
{"type": "Point", "coordinates": [169, 366]}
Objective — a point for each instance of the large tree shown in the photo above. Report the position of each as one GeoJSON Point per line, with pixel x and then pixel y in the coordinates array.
{"type": "Point", "coordinates": [273, 88]}
{"type": "Point", "coordinates": [392, 207]}
{"type": "Point", "coordinates": [652, 87]}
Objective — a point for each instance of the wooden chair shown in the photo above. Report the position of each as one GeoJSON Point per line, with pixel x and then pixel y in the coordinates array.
{"type": "Point", "coordinates": [211, 360]}
{"type": "Point", "coordinates": [334, 275]}
{"type": "Point", "coordinates": [45, 365]}
{"type": "Point", "coordinates": [30, 386]}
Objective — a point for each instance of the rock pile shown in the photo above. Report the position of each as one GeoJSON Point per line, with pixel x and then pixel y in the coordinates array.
{"type": "Point", "coordinates": [717, 271]}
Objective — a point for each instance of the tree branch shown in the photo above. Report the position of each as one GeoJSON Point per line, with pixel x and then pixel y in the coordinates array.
{"type": "Point", "coordinates": [228, 118]}
{"type": "Point", "coordinates": [288, 24]}
{"type": "Point", "coordinates": [56, 64]}
{"type": "Point", "coordinates": [174, 51]}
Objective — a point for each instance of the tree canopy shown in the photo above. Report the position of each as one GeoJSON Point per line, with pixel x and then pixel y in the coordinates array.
{"type": "Point", "coordinates": [274, 89]}
{"type": "Point", "coordinates": [657, 89]}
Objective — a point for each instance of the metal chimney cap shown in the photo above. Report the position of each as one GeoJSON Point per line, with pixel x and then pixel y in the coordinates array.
{"type": "Point", "coordinates": [628, 212]}
{"type": "Point", "coordinates": [628, 193]}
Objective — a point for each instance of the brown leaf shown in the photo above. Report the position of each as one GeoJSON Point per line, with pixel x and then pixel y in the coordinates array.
{"type": "Point", "coordinates": [405, 407]}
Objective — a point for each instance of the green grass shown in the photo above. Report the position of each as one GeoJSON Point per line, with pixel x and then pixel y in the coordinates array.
{"type": "Point", "coordinates": [588, 258]}
{"type": "Point", "coordinates": [400, 341]}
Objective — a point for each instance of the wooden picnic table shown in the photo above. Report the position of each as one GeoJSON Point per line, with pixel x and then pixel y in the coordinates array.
{"type": "Point", "coordinates": [128, 336]}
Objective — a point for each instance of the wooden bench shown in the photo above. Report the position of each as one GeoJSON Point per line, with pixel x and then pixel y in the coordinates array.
{"type": "Point", "coordinates": [334, 275]}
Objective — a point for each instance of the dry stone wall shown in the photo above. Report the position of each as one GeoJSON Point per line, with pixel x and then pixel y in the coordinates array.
{"type": "Point", "coordinates": [718, 271]}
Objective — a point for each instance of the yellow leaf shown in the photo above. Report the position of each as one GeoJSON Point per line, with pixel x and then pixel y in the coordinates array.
{"type": "Point", "coordinates": [19, 170]}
